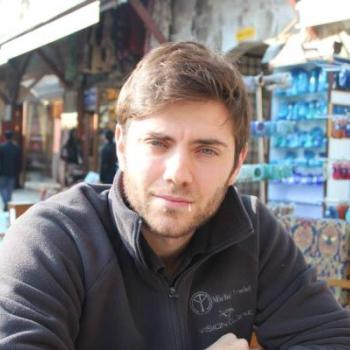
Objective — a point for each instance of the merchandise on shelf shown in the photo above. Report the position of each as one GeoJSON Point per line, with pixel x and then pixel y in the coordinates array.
{"type": "Point", "coordinates": [304, 148]}
{"type": "Point", "coordinates": [343, 81]}
{"type": "Point", "coordinates": [340, 126]}
{"type": "Point", "coordinates": [302, 110]}
{"type": "Point", "coordinates": [260, 172]}
{"type": "Point", "coordinates": [338, 211]}
{"type": "Point", "coordinates": [306, 81]}
{"type": "Point", "coordinates": [341, 170]}
{"type": "Point", "coordinates": [314, 138]}
{"type": "Point", "coordinates": [272, 128]}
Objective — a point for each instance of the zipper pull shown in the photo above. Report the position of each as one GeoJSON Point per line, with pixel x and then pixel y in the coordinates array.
{"type": "Point", "coordinates": [172, 293]}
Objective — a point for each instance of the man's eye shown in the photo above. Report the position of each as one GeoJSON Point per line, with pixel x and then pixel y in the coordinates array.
{"type": "Point", "coordinates": [156, 143]}
{"type": "Point", "coordinates": [208, 151]}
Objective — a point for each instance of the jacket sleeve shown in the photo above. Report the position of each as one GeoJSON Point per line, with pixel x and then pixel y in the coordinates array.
{"type": "Point", "coordinates": [295, 311]}
{"type": "Point", "coordinates": [41, 286]}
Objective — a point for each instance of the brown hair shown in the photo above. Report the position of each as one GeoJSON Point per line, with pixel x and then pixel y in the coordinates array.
{"type": "Point", "coordinates": [185, 71]}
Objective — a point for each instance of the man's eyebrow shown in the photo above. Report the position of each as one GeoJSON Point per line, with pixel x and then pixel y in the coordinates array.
{"type": "Point", "coordinates": [205, 142]}
{"type": "Point", "coordinates": [158, 135]}
{"type": "Point", "coordinates": [211, 142]}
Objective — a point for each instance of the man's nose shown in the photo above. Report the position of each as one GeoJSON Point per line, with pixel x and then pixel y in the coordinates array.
{"type": "Point", "coordinates": [178, 168]}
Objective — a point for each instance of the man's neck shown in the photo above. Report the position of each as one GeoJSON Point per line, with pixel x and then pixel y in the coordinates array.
{"type": "Point", "coordinates": [168, 249]}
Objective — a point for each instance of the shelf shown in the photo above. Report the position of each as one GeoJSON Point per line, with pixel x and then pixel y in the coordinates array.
{"type": "Point", "coordinates": [340, 97]}
{"type": "Point", "coordinates": [324, 118]}
{"type": "Point", "coordinates": [306, 96]}
{"type": "Point", "coordinates": [335, 201]}
{"type": "Point", "coordinates": [299, 184]}
{"type": "Point", "coordinates": [312, 204]}
{"type": "Point", "coordinates": [298, 147]}
{"type": "Point", "coordinates": [340, 138]}
{"type": "Point", "coordinates": [322, 105]}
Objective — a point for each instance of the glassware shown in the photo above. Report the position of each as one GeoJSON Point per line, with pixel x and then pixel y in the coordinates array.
{"type": "Point", "coordinates": [322, 81]}
{"type": "Point", "coordinates": [313, 80]}
{"type": "Point", "coordinates": [302, 82]}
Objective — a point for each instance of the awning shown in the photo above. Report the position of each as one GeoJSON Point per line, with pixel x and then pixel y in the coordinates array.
{"type": "Point", "coordinates": [299, 49]}
{"type": "Point", "coordinates": [27, 27]}
{"type": "Point", "coordinates": [318, 12]}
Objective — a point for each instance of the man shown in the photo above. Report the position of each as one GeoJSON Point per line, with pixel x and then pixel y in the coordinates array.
{"type": "Point", "coordinates": [170, 256]}
{"type": "Point", "coordinates": [10, 166]}
{"type": "Point", "coordinates": [108, 166]}
{"type": "Point", "coordinates": [71, 155]}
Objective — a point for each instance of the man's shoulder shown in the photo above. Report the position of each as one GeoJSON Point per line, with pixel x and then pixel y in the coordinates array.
{"type": "Point", "coordinates": [260, 214]}
{"type": "Point", "coordinates": [73, 224]}
{"type": "Point", "coordinates": [81, 197]}
{"type": "Point", "coordinates": [81, 213]}
{"type": "Point", "coordinates": [76, 211]}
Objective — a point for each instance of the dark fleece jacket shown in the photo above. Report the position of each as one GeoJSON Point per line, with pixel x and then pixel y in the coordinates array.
{"type": "Point", "coordinates": [73, 275]}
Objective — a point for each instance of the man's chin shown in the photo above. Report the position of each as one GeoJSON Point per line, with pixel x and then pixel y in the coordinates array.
{"type": "Point", "coordinates": [169, 230]}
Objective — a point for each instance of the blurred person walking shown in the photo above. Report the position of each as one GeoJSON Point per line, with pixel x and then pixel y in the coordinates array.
{"type": "Point", "coordinates": [10, 167]}
{"type": "Point", "coordinates": [109, 162]}
{"type": "Point", "coordinates": [71, 155]}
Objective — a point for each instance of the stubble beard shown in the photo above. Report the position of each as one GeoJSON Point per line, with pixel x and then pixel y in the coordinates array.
{"type": "Point", "coordinates": [182, 223]}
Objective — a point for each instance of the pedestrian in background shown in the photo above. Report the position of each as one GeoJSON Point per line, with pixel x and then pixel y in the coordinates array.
{"type": "Point", "coordinates": [109, 164]}
{"type": "Point", "coordinates": [10, 167]}
{"type": "Point", "coordinates": [71, 155]}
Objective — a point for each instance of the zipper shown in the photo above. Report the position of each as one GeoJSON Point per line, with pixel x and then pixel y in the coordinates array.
{"type": "Point", "coordinates": [171, 293]}
{"type": "Point", "coordinates": [175, 319]}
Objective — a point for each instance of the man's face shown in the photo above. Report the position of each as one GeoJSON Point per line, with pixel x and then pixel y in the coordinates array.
{"type": "Point", "coordinates": [177, 165]}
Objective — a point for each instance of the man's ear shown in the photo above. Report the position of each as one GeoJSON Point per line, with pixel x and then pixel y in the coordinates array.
{"type": "Point", "coordinates": [120, 146]}
{"type": "Point", "coordinates": [241, 158]}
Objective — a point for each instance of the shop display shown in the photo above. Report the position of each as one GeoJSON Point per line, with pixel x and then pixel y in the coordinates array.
{"type": "Point", "coordinates": [325, 245]}
{"type": "Point", "coordinates": [338, 182]}
{"type": "Point", "coordinates": [262, 172]}
{"type": "Point", "coordinates": [304, 147]}
{"type": "Point", "coordinates": [307, 117]}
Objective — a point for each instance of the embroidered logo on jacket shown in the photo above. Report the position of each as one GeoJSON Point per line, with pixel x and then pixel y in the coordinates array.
{"type": "Point", "coordinates": [218, 311]}
{"type": "Point", "coordinates": [201, 303]}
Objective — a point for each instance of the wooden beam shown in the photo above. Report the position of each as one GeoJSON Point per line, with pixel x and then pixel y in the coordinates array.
{"type": "Point", "coordinates": [148, 20]}
{"type": "Point", "coordinates": [36, 80]}
{"type": "Point", "coordinates": [23, 64]}
{"type": "Point", "coordinates": [342, 283]}
{"type": "Point", "coordinates": [53, 67]}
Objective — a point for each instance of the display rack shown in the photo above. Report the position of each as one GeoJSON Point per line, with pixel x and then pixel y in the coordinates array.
{"type": "Point", "coordinates": [338, 189]}
{"type": "Point", "coordinates": [305, 147]}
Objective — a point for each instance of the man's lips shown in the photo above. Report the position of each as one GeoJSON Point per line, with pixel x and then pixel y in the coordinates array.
{"type": "Point", "coordinates": [173, 199]}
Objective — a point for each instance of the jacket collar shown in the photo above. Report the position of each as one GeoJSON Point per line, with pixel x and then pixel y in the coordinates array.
{"type": "Point", "coordinates": [231, 224]}
{"type": "Point", "coordinates": [127, 222]}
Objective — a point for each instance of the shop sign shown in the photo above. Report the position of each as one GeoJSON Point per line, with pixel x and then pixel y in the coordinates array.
{"type": "Point", "coordinates": [244, 34]}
